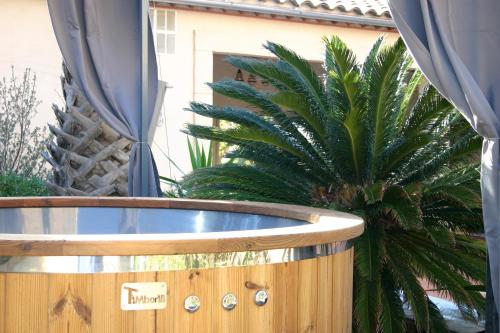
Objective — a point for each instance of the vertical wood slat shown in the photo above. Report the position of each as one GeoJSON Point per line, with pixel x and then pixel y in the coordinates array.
{"type": "Point", "coordinates": [293, 305]}
{"type": "Point", "coordinates": [144, 321]}
{"type": "Point", "coordinates": [81, 291]}
{"type": "Point", "coordinates": [259, 318]}
{"type": "Point", "coordinates": [165, 318]}
{"type": "Point", "coordinates": [105, 303]}
{"type": "Point", "coordinates": [306, 296]}
{"type": "Point", "coordinates": [280, 299]}
{"type": "Point", "coordinates": [342, 291]}
{"type": "Point", "coordinates": [26, 300]}
{"type": "Point", "coordinates": [228, 281]}
{"type": "Point", "coordinates": [193, 282]}
{"type": "Point", "coordinates": [132, 321]}
{"type": "Point", "coordinates": [70, 306]}
{"type": "Point", "coordinates": [3, 306]}
{"type": "Point", "coordinates": [125, 319]}
{"type": "Point", "coordinates": [325, 294]}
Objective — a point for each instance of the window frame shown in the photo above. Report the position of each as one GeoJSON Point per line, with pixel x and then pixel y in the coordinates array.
{"type": "Point", "coordinates": [165, 31]}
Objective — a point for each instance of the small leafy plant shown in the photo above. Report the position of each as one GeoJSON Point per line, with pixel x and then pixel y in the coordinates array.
{"type": "Point", "coordinates": [12, 185]}
{"type": "Point", "coordinates": [199, 159]}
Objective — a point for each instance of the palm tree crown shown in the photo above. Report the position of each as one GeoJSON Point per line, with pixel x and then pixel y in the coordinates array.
{"type": "Point", "coordinates": [371, 139]}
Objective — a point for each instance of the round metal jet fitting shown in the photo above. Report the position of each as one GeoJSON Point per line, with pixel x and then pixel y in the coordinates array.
{"type": "Point", "coordinates": [261, 297]}
{"type": "Point", "coordinates": [192, 303]}
{"type": "Point", "coordinates": [229, 301]}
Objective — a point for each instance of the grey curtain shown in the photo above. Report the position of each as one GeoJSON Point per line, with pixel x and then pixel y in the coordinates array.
{"type": "Point", "coordinates": [456, 43]}
{"type": "Point", "coordinates": [100, 41]}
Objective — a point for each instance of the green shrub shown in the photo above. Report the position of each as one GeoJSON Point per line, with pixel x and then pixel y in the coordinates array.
{"type": "Point", "coordinates": [12, 185]}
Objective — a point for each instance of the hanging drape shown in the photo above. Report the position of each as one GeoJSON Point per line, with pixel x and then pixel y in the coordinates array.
{"type": "Point", "coordinates": [456, 43]}
{"type": "Point", "coordinates": [100, 41]}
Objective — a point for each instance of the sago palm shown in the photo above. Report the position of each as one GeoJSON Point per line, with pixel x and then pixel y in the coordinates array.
{"type": "Point", "coordinates": [371, 139]}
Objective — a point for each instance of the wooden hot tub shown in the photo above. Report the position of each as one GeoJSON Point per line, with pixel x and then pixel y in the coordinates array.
{"type": "Point", "coordinates": [157, 265]}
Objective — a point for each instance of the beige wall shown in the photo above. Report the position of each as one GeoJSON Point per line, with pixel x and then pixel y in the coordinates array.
{"type": "Point", "coordinates": [201, 34]}
{"type": "Point", "coordinates": [27, 40]}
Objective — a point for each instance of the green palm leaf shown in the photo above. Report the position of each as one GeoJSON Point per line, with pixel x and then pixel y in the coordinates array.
{"type": "Point", "coordinates": [402, 208]}
{"type": "Point", "coordinates": [347, 126]}
{"type": "Point", "coordinates": [413, 292]}
{"type": "Point", "coordinates": [392, 317]}
{"type": "Point", "coordinates": [366, 301]}
{"type": "Point", "coordinates": [306, 74]}
{"type": "Point", "coordinates": [383, 100]}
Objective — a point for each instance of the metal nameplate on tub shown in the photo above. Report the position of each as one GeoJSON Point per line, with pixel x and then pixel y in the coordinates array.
{"type": "Point", "coordinates": [144, 296]}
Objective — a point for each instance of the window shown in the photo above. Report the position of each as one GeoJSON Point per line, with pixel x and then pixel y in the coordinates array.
{"type": "Point", "coordinates": [163, 22]}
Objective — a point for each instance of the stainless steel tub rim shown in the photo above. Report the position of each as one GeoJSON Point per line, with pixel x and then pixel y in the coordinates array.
{"type": "Point", "coordinates": [159, 263]}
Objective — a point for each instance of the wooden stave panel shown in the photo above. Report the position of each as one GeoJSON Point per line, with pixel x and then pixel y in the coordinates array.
{"type": "Point", "coordinates": [32, 287]}
{"type": "Point", "coordinates": [342, 279]}
{"type": "Point", "coordinates": [165, 319]}
{"type": "Point", "coordinates": [228, 281]}
{"type": "Point", "coordinates": [145, 321]}
{"type": "Point", "coordinates": [102, 320]}
{"type": "Point", "coordinates": [325, 298]}
{"type": "Point", "coordinates": [3, 306]}
{"type": "Point", "coordinates": [290, 307]}
{"type": "Point", "coordinates": [307, 296]}
{"type": "Point", "coordinates": [70, 303]}
{"type": "Point", "coordinates": [259, 318]}
{"type": "Point", "coordinates": [193, 282]}
{"type": "Point", "coordinates": [285, 311]}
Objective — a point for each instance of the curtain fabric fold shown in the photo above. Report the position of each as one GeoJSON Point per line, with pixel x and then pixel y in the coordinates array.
{"type": "Point", "coordinates": [101, 45]}
{"type": "Point", "coordinates": [456, 43]}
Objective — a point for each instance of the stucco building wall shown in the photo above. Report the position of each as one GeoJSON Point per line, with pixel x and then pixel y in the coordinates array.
{"type": "Point", "coordinates": [27, 40]}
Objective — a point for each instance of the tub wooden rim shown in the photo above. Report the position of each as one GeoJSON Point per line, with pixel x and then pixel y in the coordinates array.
{"type": "Point", "coordinates": [325, 227]}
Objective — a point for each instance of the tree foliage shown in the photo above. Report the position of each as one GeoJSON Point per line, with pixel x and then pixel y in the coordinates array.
{"type": "Point", "coordinates": [21, 143]}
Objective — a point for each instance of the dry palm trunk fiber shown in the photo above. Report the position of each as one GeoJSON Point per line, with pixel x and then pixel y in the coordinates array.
{"type": "Point", "coordinates": [88, 157]}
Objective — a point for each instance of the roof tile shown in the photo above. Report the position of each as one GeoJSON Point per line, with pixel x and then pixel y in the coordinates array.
{"type": "Point", "coordinates": [363, 7]}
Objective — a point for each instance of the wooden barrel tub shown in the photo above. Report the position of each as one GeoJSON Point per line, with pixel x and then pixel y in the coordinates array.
{"type": "Point", "coordinates": [156, 265]}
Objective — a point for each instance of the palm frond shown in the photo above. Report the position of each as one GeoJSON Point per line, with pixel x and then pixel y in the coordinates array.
{"type": "Point", "coordinates": [369, 252]}
{"type": "Point", "coordinates": [399, 151]}
{"type": "Point", "coordinates": [445, 269]}
{"type": "Point", "coordinates": [306, 74]}
{"type": "Point", "coordinates": [435, 157]}
{"type": "Point", "coordinates": [279, 160]}
{"type": "Point", "coordinates": [392, 316]}
{"type": "Point", "coordinates": [405, 277]}
{"type": "Point", "coordinates": [236, 180]}
{"type": "Point", "coordinates": [398, 204]}
{"type": "Point", "coordinates": [410, 94]}
{"type": "Point", "coordinates": [347, 128]}
{"type": "Point", "coordinates": [286, 78]}
{"type": "Point", "coordinates": [383, 99]}
{"type": "Point", "coordinates": [265, 103]}
{"type": "Point", "coordinates": [437, 322]}
{"type": "Point", "coordinates": [366, 304]}
{"type": "Point", "coordinates": [371, 59]}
